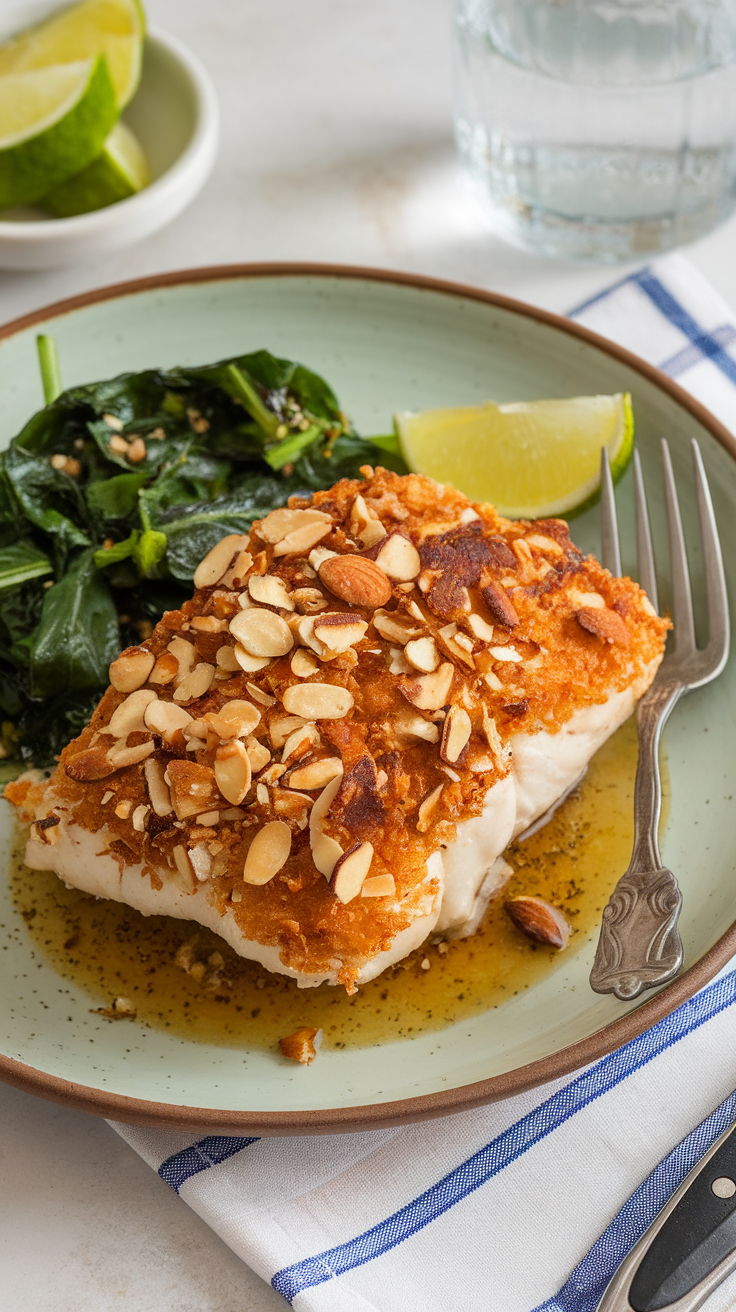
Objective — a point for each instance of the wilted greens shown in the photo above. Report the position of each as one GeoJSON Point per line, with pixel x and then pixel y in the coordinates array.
{"type": "Point", "coordinates": [112, 494]}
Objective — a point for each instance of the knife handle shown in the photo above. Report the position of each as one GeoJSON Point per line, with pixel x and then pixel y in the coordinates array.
{"type": "Point", "coordinates": [691, 1246]}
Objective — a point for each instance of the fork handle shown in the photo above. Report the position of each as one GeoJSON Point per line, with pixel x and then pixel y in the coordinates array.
{"type": "Point", "coordinates": [639, 945]}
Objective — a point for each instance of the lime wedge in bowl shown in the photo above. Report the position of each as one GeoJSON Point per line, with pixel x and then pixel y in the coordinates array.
{"type": "Point", "coordinates": [532, 459]}
{"type": "Point", "coordinates": [120, 171]}
{"type": "Point", "coordinates": [53, 123]}
{"type": "Point", "coordinates": [114, 28]}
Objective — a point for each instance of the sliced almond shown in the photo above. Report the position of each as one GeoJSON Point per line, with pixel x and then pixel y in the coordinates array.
{"type": "Point", "coordinates": [303, 665]}
{"type": "Point", "coordinates": [236, 719]}
{"type": "Point", "coordinates": [428, 808]}
{"type": "Point", "coordinates": [304, 739]}
{"type": "Point", "coordinates": [208, 624]}
{"type": "Point", "coordinates": [429, 692]}
{"type": "Point", "coordinates": [539, 920]}
{"type": "Point", "coordinates": [166, 719]}
{"type": "Point", "coordinates": [193, 788]}
{"type": "Point", "coordinates": [501, 607]}
{"type": "Point", "coordinates": [122, 757]}
{"type": "Point", "coordinates": [281, 726]}
{"type": "Point", "coordinates": [317, 774]}
{"type": "Point", "coordinates": [364, 524]}
{"type": "Point", "coordinates": [325, 850]}
{"type": "Point", "coordinates": [261, 633]}
{"type": "Point", "coordinates": [455, 734]}
{"type": "Point", "coordinates": [233, 771]}
{"type": "Point", "coordinates": [258, 695]}
{"type": "Point", "coordinates": [318, 555]}
{"type": "Point", "coordinates": [395, 628]}
{"type": "Point", "coordinates": [350, 871]}
{"type": "Point", "coordinates": [544, 543]}
{"type": "Point", "coordinates": [195, 684]}
{"type": "Point", "coordinates": [128, 718]}
{"type": "Point", "coordinates": [250, 664]}
{"type": "Point", "coordinates": [448, 635]}
{"type": "Point", "coordinates": [604, 624]}
{"type": "Point", "coordinates": [300, 540]}
{"type": "Point", "coordinates": [283, 521]}
{"type": "Point", "coordinates": [91, 764]}
{"type": "Point", "coordinates": [508, 654]}
{"type": "Point", "coordinates": [479, 627]}
{"type": "Point", "coordinates": [302, 1045]}
{"type": "Point", "coordinates": [234, 577]}
{"type": "Point", "coordinates": [295, 805]}
{"type": "Point", "coordinates": [210, 570]}
{"type": "Point", "coordinates": [410, 724]}
{"type": "Point", "coordinates": [267, 853]}
{"type": "Point", "coordinates": [339, 630]}
{"type": "Point", "coordinates": [379, 886]}
{"type": "Point", "coordinates": [165, 669]}
{"type": "Point", "coordinates": [201, 861]}
{"type": "Point", "coordinates": [356, 580]}
{"type": "Point", "coordinates": [185, 655]}
{"type": "Point", "coordinates": [158, 789]}
{"type": "Point", "coordinates": [184, 876]}
{"type": "Point", "coordinates": [399, 558]}
{"type": "Point", "coordinates": [493, 738]}
{"type": "Point", "coordinates": [423, 654]}
{"type": "Point", "coordinates": [305, 633]}
{"type": "Point", "coordinates": [579, 599]}
{"type": "Point", "coordinates": [309, 601]}
{"type": "Point", "coordinates": [226, 659]}
{"type": "Point", "coordinates": [258, 755]}
{"type": "Point", "coordinates": [270, 591]}
{"type": "Point", "coordinates": [131, 669]}
{"type": "Point", "coordinates": [139, 818]}
{"type": "Point", "coordinates": [318, 701]}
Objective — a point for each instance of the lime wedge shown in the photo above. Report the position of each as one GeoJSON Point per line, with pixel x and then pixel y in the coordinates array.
{"type": "Point", "coordinates": [114, 28]}
{"type": "Point", "coordinates": [120, 171]}
{"type": "Point", "coordinates": [532, 459]}
{"type": "Point", "coordinates": [54, 123]}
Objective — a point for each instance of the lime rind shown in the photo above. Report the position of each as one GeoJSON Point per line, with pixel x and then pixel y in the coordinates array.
{"type": "Point", "coordinates": [85, 30]}
{"type": "Point", "coordinates": [120, 171]}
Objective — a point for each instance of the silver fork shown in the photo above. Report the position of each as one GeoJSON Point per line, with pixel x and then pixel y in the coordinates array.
{"type": "Point", "coordinates": [639, 945]}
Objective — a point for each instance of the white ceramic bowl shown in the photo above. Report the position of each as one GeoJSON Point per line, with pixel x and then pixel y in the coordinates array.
{"type": "Point", "coordinates": [176, 117]}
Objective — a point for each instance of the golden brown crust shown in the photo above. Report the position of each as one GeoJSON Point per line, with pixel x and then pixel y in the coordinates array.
{"type": "Point", "coordinates": [507, 622]}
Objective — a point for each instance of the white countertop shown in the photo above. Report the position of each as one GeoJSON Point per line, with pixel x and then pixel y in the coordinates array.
{"type": "Point", "coordinates": [336, 146]}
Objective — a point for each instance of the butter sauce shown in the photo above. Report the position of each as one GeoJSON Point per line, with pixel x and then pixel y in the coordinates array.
{"type": "Point", "coordinates": [167, 970]}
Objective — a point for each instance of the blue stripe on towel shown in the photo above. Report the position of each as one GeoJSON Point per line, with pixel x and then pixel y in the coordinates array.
{"type": "Point", "coordinates": [509, 1146]}
{"type": "Point", "coordinates": [216, 1148]}
{"type": "Point", "coordinates": [584, 1290]}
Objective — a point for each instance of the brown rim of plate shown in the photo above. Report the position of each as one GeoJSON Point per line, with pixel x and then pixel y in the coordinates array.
{"type": "Point", "coordinates": [142, 1112]}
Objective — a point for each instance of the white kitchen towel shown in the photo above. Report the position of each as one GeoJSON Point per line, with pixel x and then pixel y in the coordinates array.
{"type": "Point", "coordinates": [528, 1205]}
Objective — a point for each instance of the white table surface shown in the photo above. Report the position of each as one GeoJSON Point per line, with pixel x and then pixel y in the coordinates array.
{"type": "Point", "coordinates": [336, 146]}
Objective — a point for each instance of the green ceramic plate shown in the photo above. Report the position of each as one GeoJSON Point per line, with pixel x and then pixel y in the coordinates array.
{"type": "Point", "coordinates": [386, 343]}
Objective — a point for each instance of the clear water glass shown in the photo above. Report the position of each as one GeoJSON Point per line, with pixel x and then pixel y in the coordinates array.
{"type": "Point", "coordinates": [599, 129]}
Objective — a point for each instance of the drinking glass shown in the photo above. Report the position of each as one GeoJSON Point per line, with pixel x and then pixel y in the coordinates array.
{"type": "Point", "coordinates": [599, 129]}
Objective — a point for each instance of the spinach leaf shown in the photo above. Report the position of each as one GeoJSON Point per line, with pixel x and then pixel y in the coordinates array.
{"type": "Point", "coordinates": [21, 561]}
{"type": "Point", "coordinates": [114, 499]}
{"type": "Point", "coordinates": [77, 636]}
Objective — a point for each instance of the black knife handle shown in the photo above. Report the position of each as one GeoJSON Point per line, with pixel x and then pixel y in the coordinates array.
{"type": "Point", "coordinates": [691, 1246]}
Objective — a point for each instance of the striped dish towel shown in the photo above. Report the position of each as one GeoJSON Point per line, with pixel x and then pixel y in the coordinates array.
{"type": "Point", "coordinates": [531, 1204]}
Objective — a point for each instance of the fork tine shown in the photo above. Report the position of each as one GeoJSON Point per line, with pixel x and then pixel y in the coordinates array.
{"type": "Point", "coordinates": [716, 652]}
{"type": "Point", "coordinates": [682, 602]}
{"type": "Point", "coordinates": [644, 549]}
{"type": "Point", "coordinates": [610, 550]}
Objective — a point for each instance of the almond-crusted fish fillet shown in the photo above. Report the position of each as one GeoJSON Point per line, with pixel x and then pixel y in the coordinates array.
{"type": "Point", "coordinates": [324, 753]}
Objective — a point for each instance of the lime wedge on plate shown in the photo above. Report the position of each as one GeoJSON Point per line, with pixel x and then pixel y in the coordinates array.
{"type": "Point", "coordinates": [53, 123]}
{"type": "Point", "coordinates": [120, 171]}
{"type": "Point", "coordinates": [114, 28]}
{"type": "Point", "coordinates": [531, 459]}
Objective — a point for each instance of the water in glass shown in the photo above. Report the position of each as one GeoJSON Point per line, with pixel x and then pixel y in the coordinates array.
{"type": "Point", "coordinates": [599, 129]}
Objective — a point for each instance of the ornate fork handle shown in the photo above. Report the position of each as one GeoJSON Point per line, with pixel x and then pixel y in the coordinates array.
{"type": "Point", "coordinates": [639, 944]}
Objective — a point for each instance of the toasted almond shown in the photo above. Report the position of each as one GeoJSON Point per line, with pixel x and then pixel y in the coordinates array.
{"type": "Point", "coordinates": [267, 853]}
{"type": "Point", "coordinates": [201, 861]}
{"type": "Point", "coordinates": [350, 871]}
{"type": "Point", "coordinates": [193, 788]}
{"type": "Point", "coordinates": [279, 523]}
{"type": "Point", "coordinates": [544, 543]}
{"type": "Point", "coordinates": [270, 591]}
{"type": "Point", "coordinates": [234, 577]}
{"type": "Point", "coordinates": [410, 724]}
{"type": "Point", "coordinates": [303, 665]}
{"type": "Point", "coordinates": [493, 737]}
{"type": "Point", "coordinates": [300, 540]}
{"type": "Point", "coordinates": [184, 876]}
{"type": "Point", "coordinates": [261, 633]}
{"type": "Point", "coordinates": [539, 920]}
{"type": "Point", "coordinates": [250, 664]}
{"type": "Point", "coordinates": [195, 684]}
{"type": "Point", "coordinates": [233, 771]}
{"type": "Point", "coordinates": [309, 601]}
{"type": "Point", "coordinates": [258, 695]}
{"type": "Point", "coordinates": [226, 659]}
{"type": "Point", "coordinates": [578, 599]}
{"type": "Point", "coordinates": [423, 654]}
{"type": "Point", "coordinates": [165, 719]}
{"type": "Point", "coordinates": [295, 805]}
{"type": "Point", "coordinates": [211, 569]}
{"type": "Point", "coordinates": [236, 719]}
{"type": "Point", "coordinates": [604, 624]}
{"type": "Point", "coordinates": [122, 757]}
{"type": "Point", "coordinates": [158, 789]}
{"type": "Point", "coordinates": [325, 850]}
{"type": "Point", "coordinates": [428, 808]}
{"type": "Point", "coordinates": [399, 558]}
{"type": "Point", "coordinates": [339, 630]}
{"type": "Point", "coordinates": [302, 1045]}
{"type": "Point", "coordinates": [208, 818]}
{"type": "Point", "coordinates": [364, 524]}
{"type": "Point", "coordinates": [208, 624]}
{"type": "Point", "coordinates": [318, 701]}
{"type": "Point", "coordinates": [455, 734]}
{"type": "Point", "coordinates": [185, 655]}
{"type": "Point", "coordinates": [131, 669]}
{"type": "Point", "coordinates": [258, 755]}
{"type": "Point", "coordinates": [379, 886]}
{"type": "Point", "coordinates": [305, 738]}
{"type": "Point", "coordinates": [448, 637]}
{"type": "Point", "coordinates": [501, 607]}
{"type": "Point", "coordinates": [128, 718]}
{"type": "Point", "coordinates": [88, 765]}
{"type": "Point", "coordinates": [317, 774]}
{"type": "Point", "coordinates": [273, 773]}
{"type": "Point", "coordinates": [479, 627]}
{"type": "Point", "coordinates": [318, 555]}
{"type": "Point", "coordinates": [165, 669]}
{"type": "Point", "coordinates": [429, 692]}
{"type": "Point", "coordinates": [356, 580]}
{"type": "Point", "coordinates": [508, 654]}
{"type": "Point", "coordinates": [395, 628]}
{"type": "Point", "coordinates": [304, 628]}
{"type": "Point", "coordinates": [282, 725]}
{"type": "Point", "coordinates": [139, 818]}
